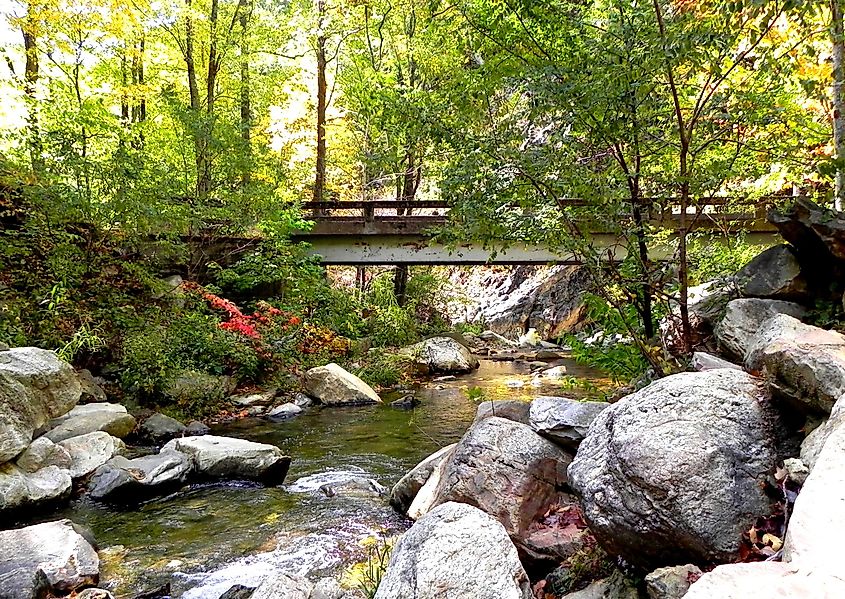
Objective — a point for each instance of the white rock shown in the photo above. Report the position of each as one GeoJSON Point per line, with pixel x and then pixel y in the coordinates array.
{"type": "Point", "coordinates": [331, 385]}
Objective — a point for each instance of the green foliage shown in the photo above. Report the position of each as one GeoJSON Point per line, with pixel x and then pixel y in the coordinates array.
{"type": "Point", "coordinates": [83, 339]}
{"type": "Point", "coordinates": [381, 368]}
{"type": "Point", "coordinates": [476, 394]}
{"type": "Point", "coordinates": [611, 350]}
{"type": "Point", "coordinates": [714, 259]}
{"type": "Point", "coordinates": [585, 566]}
{"type": "Point", "coordinates": [378, 557]}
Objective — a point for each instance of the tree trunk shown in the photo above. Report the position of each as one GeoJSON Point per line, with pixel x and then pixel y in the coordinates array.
{"type": "Point", "coordinates": [400, 283]}
{"type": "Point", "coordinates": [31, 74]}
{"type": "Point", "coordinates": [246, 109]}
{"type": "Point", "coordinates": [322, 98]}
{"type": "Point", "coordinates": [838, 40]}
{"type": "Point", "coordinates": [194, 94]}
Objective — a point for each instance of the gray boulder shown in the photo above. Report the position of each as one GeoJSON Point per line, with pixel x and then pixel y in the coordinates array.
{"type": "Point", "coordinates": [49, 558]}
{"type": "Point", "coordinates": [442, 355]}
{"type": "Point", "coordinates": [227, 457]}
{"type": "Point", "coordinates": [456, 551]}
{"type": "Point", "coordinates": [90, 451]}
{"type": "Point", "coordinates": [121, 479]}
{"type": "Point", "coordinates": [674, 471]}
{"type": "Point", "coordinates": [160, 427]}
{"type": "Point", "coordinates": [671, 582]}
{"type": "Point", "coordinates": [331, 385]}
{"type": "Point", "coordinates": [41, 453]}
{"type": "Point", "coordinates": [765, 579]}
{"type": "Point", "coordinates": [508, 471]}
{"type": "Point", "coordinates": [263, 398]}
{"type": "Point", "coordinates": [511, 409]}
{"type": "Point", "coordinates": [20, 490]}
{"type": "Point", "coordinates": [35, 386]}
{"type": "Point", "coordinates": [773, 274]}
{"type": "Point", "coordinates": [738, 330]}
{"type": "Point", "coordinates": [88, 418]}
{"type": "Point", "coordinates": [403, 492]}
{"type": "Point", "coordinates": [802, 362]}
{"type": "Point", "coordinates": [563, 420]}
{"type": "Point", "coordinates": [284, 586]}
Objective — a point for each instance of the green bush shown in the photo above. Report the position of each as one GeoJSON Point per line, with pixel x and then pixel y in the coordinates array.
{"type": "Point", "coordinates": [383, 369]}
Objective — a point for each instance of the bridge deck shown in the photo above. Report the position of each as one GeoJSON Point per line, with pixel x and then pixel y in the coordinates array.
{"type": "Point", "coordinates": [382, 232]}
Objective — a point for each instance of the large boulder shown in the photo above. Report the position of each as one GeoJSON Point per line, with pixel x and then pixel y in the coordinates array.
{"type": "Point", "coordinates": [107, 417]}
{"type": "Point", "coordinates": [817, 522]}
{"type": "Point", "coordinates": [403, 492]}
{"type": "Point", "coordinates": [20, 490]}
{"type": "Point", "coordinates": [331, 385]}
{"type": "Point", "coordinates": [42, 453]}
{"type": "Point", "coordinates": [764, 579]}
{"type": "Point", "coordinates": [35, 386]}
{"type": "Point", "coordinates": [90, 451]}
{"type": "Point", "coordinates": [818, 237]}
{"type": "Point", "coordinates": [508, 471]}
{"type": "Point", "coordinates": [773, 274]}
{"type": "Point", "coordinates": [738, 331]}
{"type": "Point", "coordinates": [563, 420]}
{"type": "Point", "coordinates": [456, 551]}
{"type": "Point", "coordinates": [52, 558]}
{"type": "Point", "coordinates": [674, 472]}
{"type": "Point", "coordinates": [124, 480]}
{"type": "Point", "coordinates": [803, 363]}
{"type": "Point", "coordinates": [227, 457]}
{"type": "Point", "coordinates": [442, 355]}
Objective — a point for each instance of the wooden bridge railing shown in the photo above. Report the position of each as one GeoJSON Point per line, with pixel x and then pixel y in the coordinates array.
{"type": "Point", "coordinates": [659, 209]}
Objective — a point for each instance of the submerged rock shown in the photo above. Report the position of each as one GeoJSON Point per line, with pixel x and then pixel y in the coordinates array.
{"type": "Point", "coordinates": [284, 411]}
{"type": "Point", "coordinates": [675, 471]}
{"type": "Point", "coordinates": [46, 558]}
{"type": "Point", "coordinates": [331, 385]}
{"type": "Point", "coordinates": [442, 355]}
{"type": "Point", "coordinates": [88, 418]}
{"type": "Point", "coordinates": [35, 386]}
{"type": "Point", "coordinates": [403, 492]}
{"type": "Point", "coordinates": [227, 457]}
{"type": "Point", "coordinates": [456, 550]}
{"type": "Point", "coordinates": [563, 420]}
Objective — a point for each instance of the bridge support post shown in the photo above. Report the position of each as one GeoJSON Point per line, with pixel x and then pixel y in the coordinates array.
{"type": "Point", "coordinates": [400, 283]}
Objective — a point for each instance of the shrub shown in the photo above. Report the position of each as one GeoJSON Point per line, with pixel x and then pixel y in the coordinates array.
{"type": "Point", "coordinates": [383, 369]}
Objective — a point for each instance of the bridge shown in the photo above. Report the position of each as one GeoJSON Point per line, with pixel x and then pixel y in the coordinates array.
{"type": "Point", "coordinates": [364, 233]}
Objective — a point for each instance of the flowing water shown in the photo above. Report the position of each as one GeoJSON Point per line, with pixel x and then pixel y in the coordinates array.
{"type": "Point", "coordinates": [209, 537]}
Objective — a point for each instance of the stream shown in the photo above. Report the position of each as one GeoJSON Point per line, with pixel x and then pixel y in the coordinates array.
{"type": "Point", "coordinates": [206, 538]}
